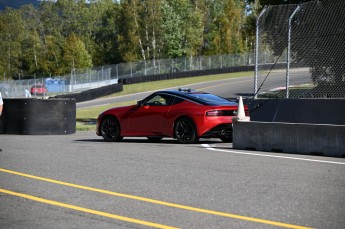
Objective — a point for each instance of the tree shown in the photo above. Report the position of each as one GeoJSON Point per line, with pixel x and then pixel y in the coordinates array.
{"type": "Point", "coordinates": [224, 25]}
{"type": "Point", "coordinates": [75, 56]}
{"type": "Point", "coordinates": [53, 60]}
{"type": "Point", "coordinates": [182, 28]}
{"type": "Point", "coordinates": [34, 39]}
{"type": "Point", "coordinates": [151, 27]}
{"type": "Point", "coordinates": [11, 36]}
{"type": "Point", "coordinates": [32, 56]}
{"type": "Point", "coordinates": [193, 19]}
{"type": "Point", "coordinates": [106, 28]}
{"type": "Point", "coordinates": [130, 43]}
{"type": "Point", "coordinates": [173, 34]}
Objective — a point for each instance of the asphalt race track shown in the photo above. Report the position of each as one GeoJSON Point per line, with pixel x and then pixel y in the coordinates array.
{"type": "Point", "coordinates": [219, 87]}
{"type": "Point", "coordinates": [79, 181]}
{"type": "Point", "coordinates": [227, 88]}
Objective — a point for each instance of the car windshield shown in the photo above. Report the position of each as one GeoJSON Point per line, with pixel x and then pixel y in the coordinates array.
{"type": "Point", "coordinates": [211, 99]}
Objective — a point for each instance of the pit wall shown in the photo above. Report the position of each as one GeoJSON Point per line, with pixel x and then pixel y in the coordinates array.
{"type": "Point", "coordinates": [313, 139]}
{"type": "Point", "coordinates": [302, 126]}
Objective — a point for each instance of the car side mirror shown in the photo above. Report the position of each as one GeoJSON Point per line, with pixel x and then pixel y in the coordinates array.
{"type": "Point", "coordinates": [139, 103]}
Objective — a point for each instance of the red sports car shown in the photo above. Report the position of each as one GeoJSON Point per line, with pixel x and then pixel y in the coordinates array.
{"type": "Point", "coordinates": [39, 89]}
{"type": "Point", "coordinates": [182, 114]}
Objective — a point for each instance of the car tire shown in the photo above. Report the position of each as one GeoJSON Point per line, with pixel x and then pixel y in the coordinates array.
{"type": "Point", "coordinates": [185, 131]}
{"type": "Point", "coordinates": [110, 129]}
{"type": "Point", "coordinates": [154, 139]}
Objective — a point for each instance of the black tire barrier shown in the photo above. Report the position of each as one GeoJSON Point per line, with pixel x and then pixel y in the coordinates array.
{"type": "Point", "coordinates": [38, 116]}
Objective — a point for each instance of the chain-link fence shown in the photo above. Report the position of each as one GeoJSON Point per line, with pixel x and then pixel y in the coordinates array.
{"type": "Point", "coordinates": [78, 80]}
{"type": "Point", "coordinates": [307, 43]}
{"type": "Point", "coordinates": [83, 79]}
{"type": "Point", "coordinates": [184, 64]}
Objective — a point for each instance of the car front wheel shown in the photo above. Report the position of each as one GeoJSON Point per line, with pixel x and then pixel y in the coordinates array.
{"type": "Point", "coordinates": [185, 131]}
{"type": "Point", "coordinates": [110, 129]}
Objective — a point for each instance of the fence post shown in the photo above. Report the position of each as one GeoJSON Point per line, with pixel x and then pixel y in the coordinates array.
{"type": "Point", "coordinates": [288, 53]}
{"type": "Point", "coordinates": [159, 67]}
{"type": "Point", "coordinates": [257, 53]}
{"type": "Point", "coordinates": [185, 63]}
{"type": "Point", "coordinates": [200, 64]}
{"type": "Point", "coordinates": [190, 62]}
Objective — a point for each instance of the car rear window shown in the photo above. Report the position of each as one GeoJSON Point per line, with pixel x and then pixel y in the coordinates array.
{"type": "Point", "coordinates": [211, 99]}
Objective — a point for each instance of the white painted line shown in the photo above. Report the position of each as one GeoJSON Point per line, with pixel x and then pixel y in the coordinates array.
{"type": "Point", "coordinates": [207, 146]}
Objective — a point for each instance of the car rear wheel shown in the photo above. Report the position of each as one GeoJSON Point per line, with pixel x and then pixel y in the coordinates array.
{"type": "Point", "coordinates": [185, 131]}
{"type": "Point", "coordinates": [110, 129]}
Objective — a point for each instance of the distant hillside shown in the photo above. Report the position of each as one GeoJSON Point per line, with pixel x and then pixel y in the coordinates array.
{"type": "Point", "coordinates": [17, 3]}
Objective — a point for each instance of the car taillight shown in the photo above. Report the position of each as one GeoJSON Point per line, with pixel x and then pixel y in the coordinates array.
{"type": "Point", "coordinates": [214, 113]}
{"type": "Point", "coordinates": [222, 113]}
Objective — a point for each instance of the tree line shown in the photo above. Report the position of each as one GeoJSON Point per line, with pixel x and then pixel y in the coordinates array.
{"type": "Point", "coordinates": [59, 36]}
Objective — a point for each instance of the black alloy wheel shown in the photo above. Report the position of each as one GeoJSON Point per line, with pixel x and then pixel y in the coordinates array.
{"type": "Point", "coordinates": [110, 129]}
{"type": "Point", "coordinates": [185, 131]}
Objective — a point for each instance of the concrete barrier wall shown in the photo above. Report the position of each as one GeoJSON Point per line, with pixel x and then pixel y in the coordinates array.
{"type": "Point", "coordinates": [314, 139]}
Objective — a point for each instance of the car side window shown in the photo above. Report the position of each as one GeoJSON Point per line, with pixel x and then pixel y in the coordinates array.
{"type": "Point", "coordinates": [177, 100]}
{"type": "Point", "coordinates": [157, 100]}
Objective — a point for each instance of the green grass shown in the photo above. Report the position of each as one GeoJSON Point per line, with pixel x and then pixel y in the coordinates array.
{"type": "Point", "coordinates": [86, 117]}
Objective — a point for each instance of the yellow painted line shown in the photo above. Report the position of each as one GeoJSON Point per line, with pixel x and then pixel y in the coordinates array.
{"type": "Point", "coordinates": [211, 212]}
{"type": "Point", "coordinates": [87, 210]}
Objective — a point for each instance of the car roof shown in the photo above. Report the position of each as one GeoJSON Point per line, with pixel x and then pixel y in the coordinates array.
{"type": "Point", "coordinates": [188, 94]}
